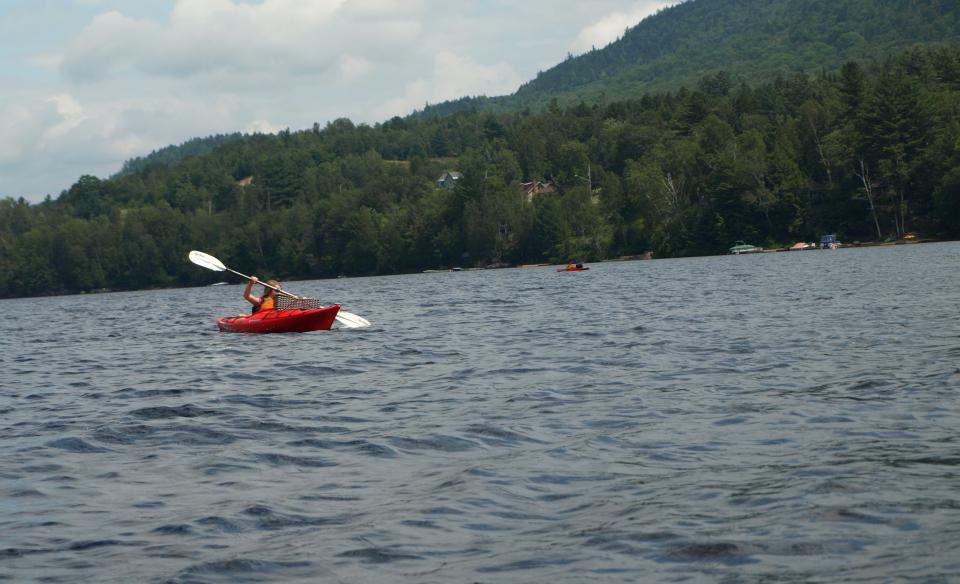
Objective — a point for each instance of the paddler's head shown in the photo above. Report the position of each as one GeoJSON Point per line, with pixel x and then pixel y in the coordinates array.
{"type": "Point", "coordinates": [270, 291]}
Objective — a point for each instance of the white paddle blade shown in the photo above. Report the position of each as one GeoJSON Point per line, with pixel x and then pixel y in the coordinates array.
{"type": "Point", "coordinates": [350, 320]}
{"type": "Point", "coordinates": [207, 261]}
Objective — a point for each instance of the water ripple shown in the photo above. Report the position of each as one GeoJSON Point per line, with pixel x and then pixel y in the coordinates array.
{"type": "Point", "coordinates": [775, 418]}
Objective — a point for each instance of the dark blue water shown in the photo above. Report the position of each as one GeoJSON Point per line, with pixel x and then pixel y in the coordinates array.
{"type": "Point", "coordinates": [786, 417]}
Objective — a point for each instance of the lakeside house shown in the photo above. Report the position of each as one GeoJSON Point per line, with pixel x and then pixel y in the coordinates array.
{"type": "Point", "coordinates": [534, 188]}
{"type": "Point", "coordinates": [448, 180]}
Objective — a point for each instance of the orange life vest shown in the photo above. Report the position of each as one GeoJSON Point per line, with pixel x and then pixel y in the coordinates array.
{"type": "Point", "coordinates": [265, 304]}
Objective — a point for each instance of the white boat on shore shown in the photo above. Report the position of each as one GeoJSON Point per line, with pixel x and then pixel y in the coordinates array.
{"type": "Point", "coordinates": [742, 248]}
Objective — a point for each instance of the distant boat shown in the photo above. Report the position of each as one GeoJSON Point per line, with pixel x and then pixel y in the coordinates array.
{"type": "Point", "coordinates": [741, 248]}
{"type": "Point", "coordinates": [829, 242]}
{"type": "Point", "coordinates": [801, 245]}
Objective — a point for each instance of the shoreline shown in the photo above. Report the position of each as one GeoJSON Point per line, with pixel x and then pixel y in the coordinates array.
{"type": "Point", "coordinates": [648, 256]}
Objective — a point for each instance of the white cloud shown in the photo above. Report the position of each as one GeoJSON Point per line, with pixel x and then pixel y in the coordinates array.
{"type": "Point", "coordinates": [453, 77]}
{"type": "Point", "coordinates": [25, 167]}
{"type": "Point", "coordinates": [262, 127]}
{"type": "Point", "coordinates": [62, 135]}
{"type": "Point", "coordinates": [48, 61]}
{"type": "Point", "coordinates": [354, 68]}
{"type": "Point", "coordinates": [220, 38]}
{"type": "Point", "coordinates": [19, 124]}
{"type": "Point", "coordinates": [71, 114]}
{"type": "Point", "coordinates": [612, 26]}
{"type": "Point", "coordinates": [96, 82]}
{"type": "Point", "coordinates": [384, 8]}
{"type": "Point", "coordinates": [109, 42]}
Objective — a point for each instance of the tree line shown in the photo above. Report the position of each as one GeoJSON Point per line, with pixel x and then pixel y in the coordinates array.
{"type": "Point", "coordinates": [867, 153]}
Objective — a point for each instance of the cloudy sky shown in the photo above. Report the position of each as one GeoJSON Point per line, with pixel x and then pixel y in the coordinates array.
{"type": "Point", "coordinates": [88, 84]}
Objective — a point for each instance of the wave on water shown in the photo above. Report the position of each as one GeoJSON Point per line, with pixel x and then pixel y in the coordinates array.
{"type": "Point", "coordinates": [767, 418]}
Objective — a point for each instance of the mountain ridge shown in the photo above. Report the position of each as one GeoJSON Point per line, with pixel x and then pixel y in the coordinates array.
{"type": "Point", "coordinates": [752, 40]}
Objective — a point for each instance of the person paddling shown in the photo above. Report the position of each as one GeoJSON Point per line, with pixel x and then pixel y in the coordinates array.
{"type": "Point", "coordinates": [265, 302]}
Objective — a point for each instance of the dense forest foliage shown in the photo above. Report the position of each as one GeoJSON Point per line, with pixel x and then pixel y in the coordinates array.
{"type": "Point", "coordinates": [867, 153]}
{"type": "Point", "coordinates": [170, 155]}
{"type": "Point", "coordinates": [752, 40]}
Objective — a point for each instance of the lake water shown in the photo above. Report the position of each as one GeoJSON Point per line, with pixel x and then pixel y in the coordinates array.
{"type": "Point", "coordinates": [787, 417]}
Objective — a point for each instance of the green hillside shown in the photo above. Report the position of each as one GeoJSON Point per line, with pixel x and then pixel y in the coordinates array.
{"type": "Point", "coordinates": [868, 153]}
{"type": "Point", "coordinates": [170, 155]}
{"type": "Point", "coordinates": [750, 40]}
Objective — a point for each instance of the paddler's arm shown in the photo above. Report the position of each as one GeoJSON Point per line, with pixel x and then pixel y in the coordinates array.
{"type": "Point", "coordinates": [246, 291]}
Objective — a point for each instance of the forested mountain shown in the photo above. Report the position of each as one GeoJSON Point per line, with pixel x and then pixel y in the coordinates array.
{"type": "Point", "coordinates": [170, 155]}
{"type": "Point", "coordinates": [864, 152]}
{"type": "Point", "coordinates": [751, 40]}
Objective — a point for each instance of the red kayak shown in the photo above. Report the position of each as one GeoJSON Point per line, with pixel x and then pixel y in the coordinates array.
{"type": "Point", "coordinates": [576, 269]}
{"type": "Point", "coordinates": [290, 320]}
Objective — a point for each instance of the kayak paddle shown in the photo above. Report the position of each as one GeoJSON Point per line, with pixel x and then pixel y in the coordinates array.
{"type": "Point", "coordinates": [205, 260]}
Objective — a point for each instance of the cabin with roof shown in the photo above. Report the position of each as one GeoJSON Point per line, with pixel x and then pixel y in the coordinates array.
{"type": "Point", "coordinates": [537, 187]}
{"type": "Point", "coordinates": [449, 180]}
